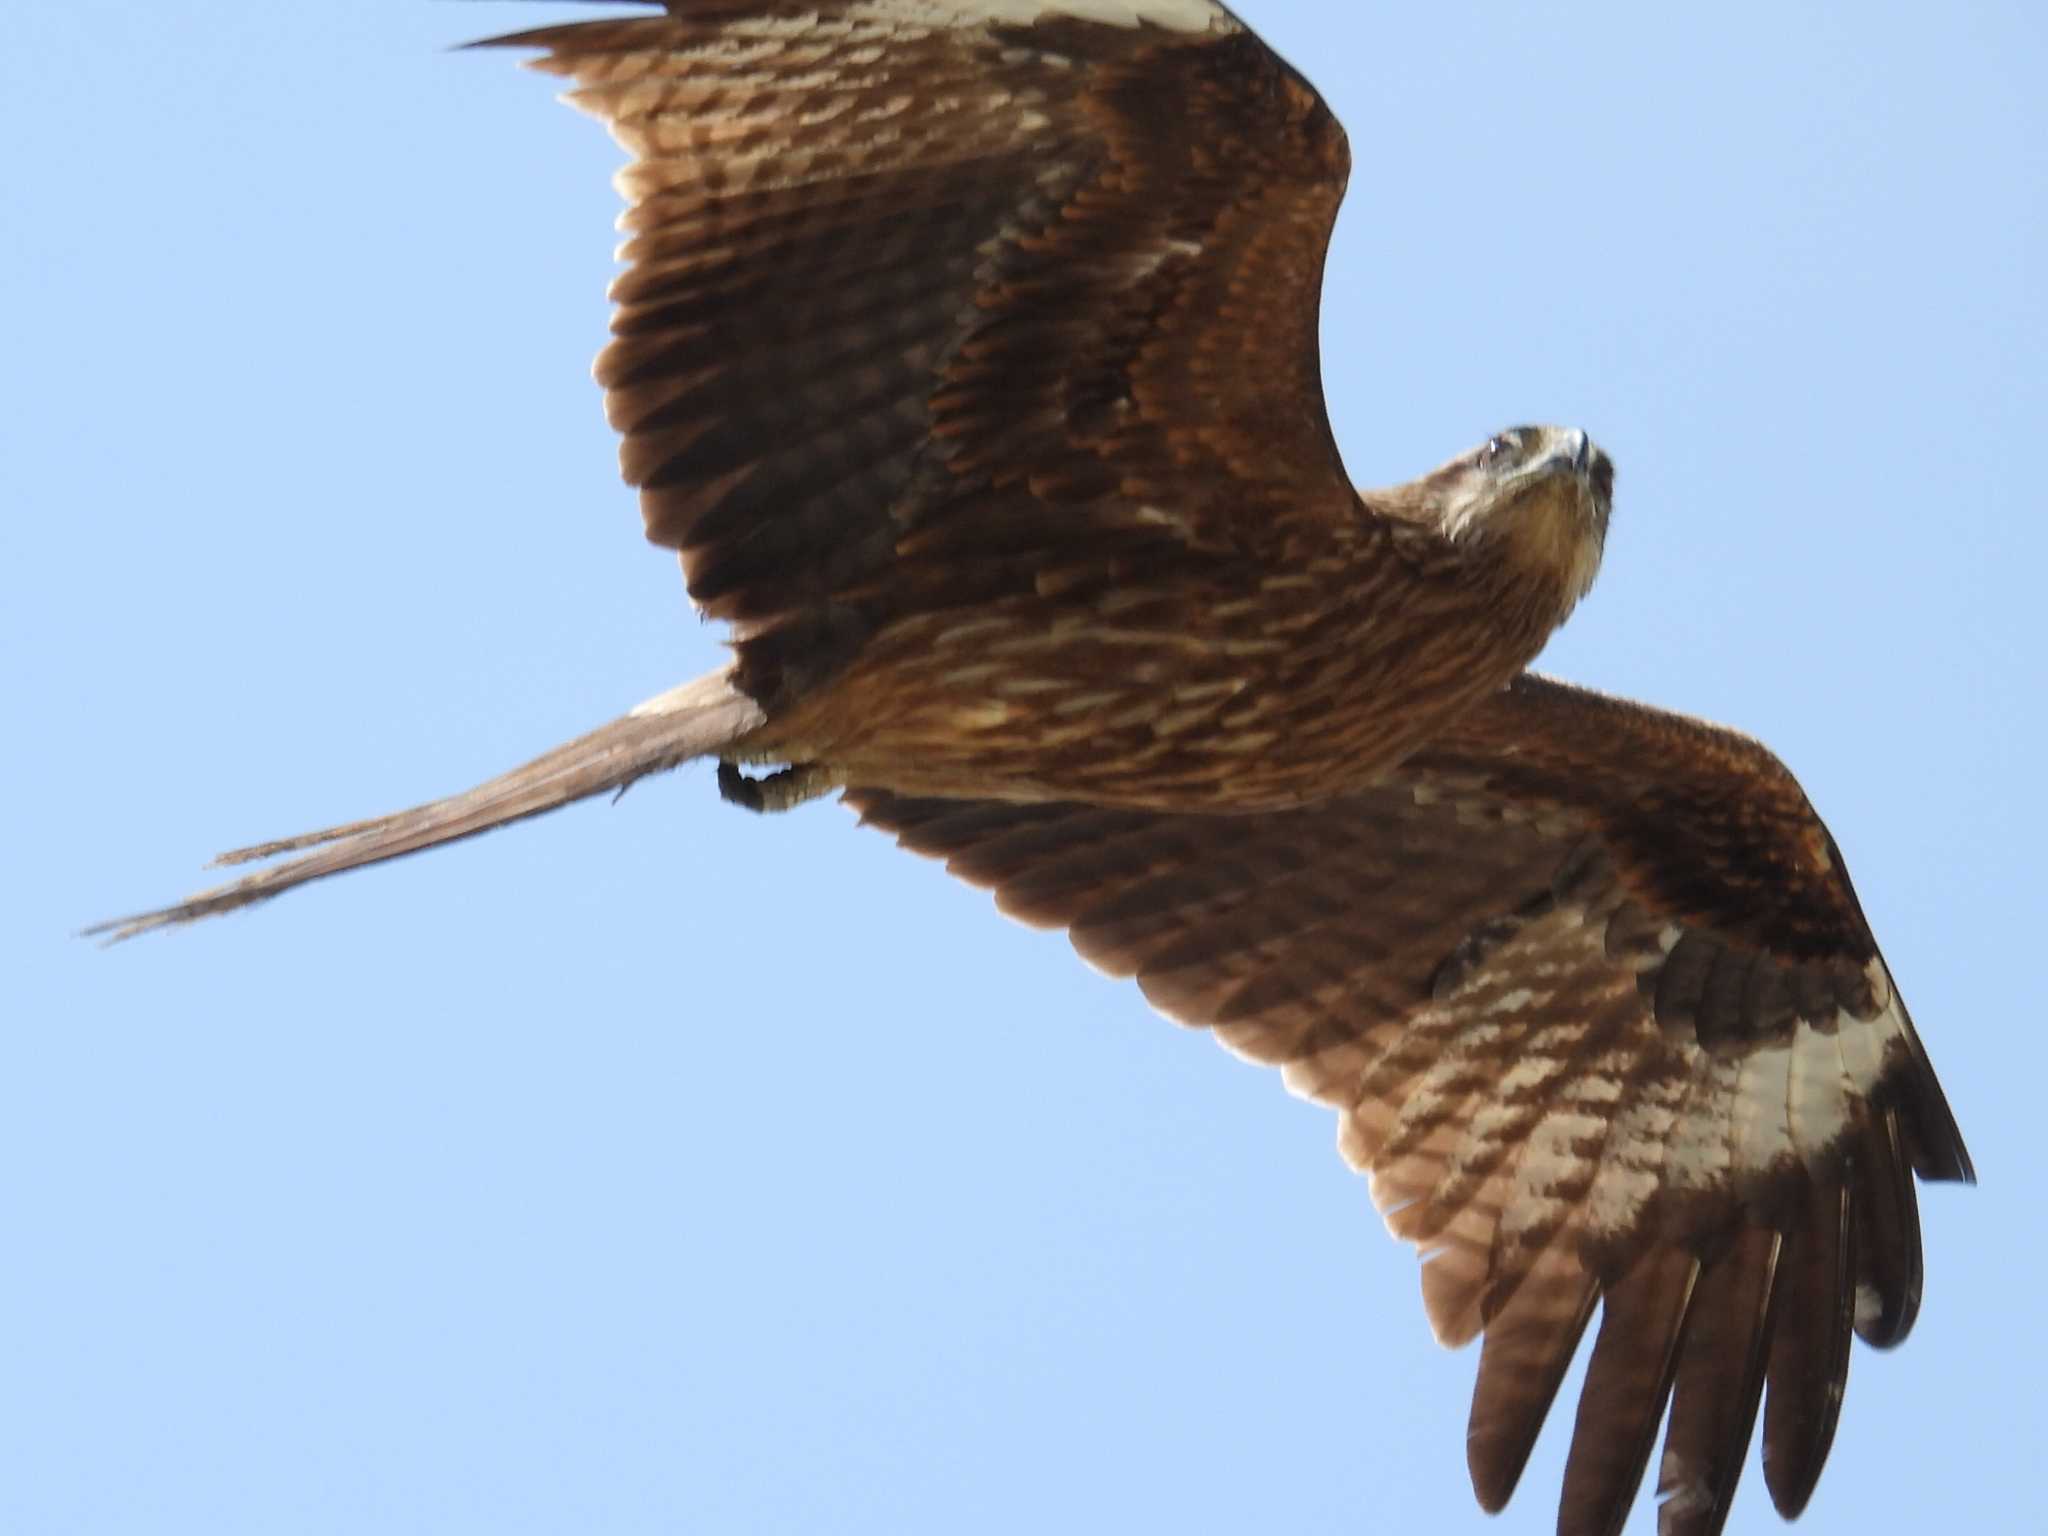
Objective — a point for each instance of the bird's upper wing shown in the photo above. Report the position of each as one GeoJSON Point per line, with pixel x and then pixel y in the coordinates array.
{"type": "Point", "coordinates": [1589, 987]}
{"type": "Point", "coordinates": [932, 300]}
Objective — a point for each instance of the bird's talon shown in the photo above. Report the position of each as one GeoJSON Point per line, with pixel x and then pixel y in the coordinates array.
{"type": "Point", "coordinates": [736, 788]}
{"type": "Point", "coordinates": [782, 790]}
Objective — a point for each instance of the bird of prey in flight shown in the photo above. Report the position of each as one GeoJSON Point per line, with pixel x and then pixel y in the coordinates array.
{"type": "Point", "coordinates": [966, 353]}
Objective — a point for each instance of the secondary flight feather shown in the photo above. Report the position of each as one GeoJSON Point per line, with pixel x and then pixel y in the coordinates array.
{"type": "Point", "coordinates": [966, 354]}
{"type": "Point", "coordinates": [1602, 1021]}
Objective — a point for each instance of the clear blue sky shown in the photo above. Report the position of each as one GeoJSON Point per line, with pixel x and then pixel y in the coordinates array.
{"type": "Point", "coordinates": [657, 1168]}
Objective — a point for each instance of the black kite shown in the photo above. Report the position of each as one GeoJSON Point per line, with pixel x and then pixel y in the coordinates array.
{"type": "Point", "coordinates": [967, 355]}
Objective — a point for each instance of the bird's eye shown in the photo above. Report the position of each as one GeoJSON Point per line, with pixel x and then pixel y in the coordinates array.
{"type": "Point", "coordinates": [1497, 449]}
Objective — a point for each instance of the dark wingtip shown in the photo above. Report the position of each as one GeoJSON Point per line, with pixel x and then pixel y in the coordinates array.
{"type": "Point", "coordinates": [1628, 1383]}
{"type": "Point", "coordinates": [1889, 1264]}
{"type": "Point", "coordinates": [1809, 1363]}
{"type": "Point", "coordinates": [1530, 1342]}
{"type": "Point", "coordinates": [1933, 1140]}
{"type": "Point", "coordinates": [1719, 1385]}
{"type": "Point", "coordinates": [546, 37]}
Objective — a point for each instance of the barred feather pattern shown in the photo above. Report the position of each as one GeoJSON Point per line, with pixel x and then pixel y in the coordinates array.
{"type": "Point", "coordinates": [1564, 1088]}
{"type": "Point", "coordinates": [967, 353]}
{"type": "Point", "coordinates": [888, 260]}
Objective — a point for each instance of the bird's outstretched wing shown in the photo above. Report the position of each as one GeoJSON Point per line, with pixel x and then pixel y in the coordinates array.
{"type": "Point", "coordinates": [935, 301]}
{"type": "Point", "coordinates": [1590, 990]}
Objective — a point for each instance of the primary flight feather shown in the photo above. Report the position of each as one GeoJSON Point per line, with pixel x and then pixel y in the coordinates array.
{"type": "Point", "coordinates": [966, 353]}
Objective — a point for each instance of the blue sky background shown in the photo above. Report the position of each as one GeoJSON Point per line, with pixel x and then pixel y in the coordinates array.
{"type": "Point", "coordinates": [658, 1168]}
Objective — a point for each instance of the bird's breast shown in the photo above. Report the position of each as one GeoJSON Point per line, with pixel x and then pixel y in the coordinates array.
{"type": "Point", "coordinates": [1260, 693]}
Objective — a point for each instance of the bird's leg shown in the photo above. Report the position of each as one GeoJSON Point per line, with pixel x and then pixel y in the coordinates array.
{"type": "Point", "coordinates": [779, 791]}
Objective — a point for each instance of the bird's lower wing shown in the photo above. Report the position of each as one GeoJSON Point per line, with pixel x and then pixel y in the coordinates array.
{"type": "Point", "coordinates": [699, 719]}
{"type": "Point", "coordinates": [1590, 1042]}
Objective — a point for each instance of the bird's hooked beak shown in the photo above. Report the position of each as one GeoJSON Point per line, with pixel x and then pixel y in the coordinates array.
{"type": "Point", "coordinates": [1578, 447]}
{"type": "Point", "coordinates": [1570, 522]}
{"type": "Point", "coordinates": [1538, 496]}
{"type": "Point", "coordinates": [1562, 451]}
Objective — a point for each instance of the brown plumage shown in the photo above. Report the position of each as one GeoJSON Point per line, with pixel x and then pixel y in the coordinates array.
{"type": "Point", "coordinates": [1591, 993]}
{"type": "Point", "coordinates": [984, 399]}
{"type": "Point", "coordinates": [967, 356]}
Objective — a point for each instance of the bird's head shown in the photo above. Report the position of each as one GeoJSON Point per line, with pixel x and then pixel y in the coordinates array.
{"type": "Point", "coordinates": [1535, 498]}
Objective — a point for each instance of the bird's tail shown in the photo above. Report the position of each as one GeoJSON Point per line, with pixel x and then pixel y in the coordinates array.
{"type": "Point", "coordinates": [696, 720]}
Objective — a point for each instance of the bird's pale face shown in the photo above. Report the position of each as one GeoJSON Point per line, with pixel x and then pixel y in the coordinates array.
{"type": "Point", "coordinates": [1539, 495]}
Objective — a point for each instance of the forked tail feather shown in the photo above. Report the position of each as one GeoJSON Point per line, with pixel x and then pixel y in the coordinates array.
{"type": "Point", "coordinates": [696, 720]}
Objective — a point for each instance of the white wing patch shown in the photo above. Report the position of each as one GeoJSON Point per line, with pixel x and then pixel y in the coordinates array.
{"type": "Point", "coordinates": [1540, 1115]}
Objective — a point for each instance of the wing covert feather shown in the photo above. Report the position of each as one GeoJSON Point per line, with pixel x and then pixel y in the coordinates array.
{"type": "Point", "coordinates": [1591, 994]}
{"type": "Point", "coordinates": [930, 301]}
